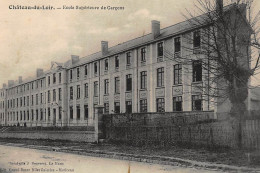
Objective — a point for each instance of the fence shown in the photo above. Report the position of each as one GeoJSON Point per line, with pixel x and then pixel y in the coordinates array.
{"type": "Point", "coordinates": [195, 128]}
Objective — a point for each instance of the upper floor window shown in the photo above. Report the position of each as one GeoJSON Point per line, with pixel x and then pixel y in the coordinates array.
{"type": "Point", "coordinates": [106, 64]}
{"type": "Point", "coordinates": [71, 93]}
{"type": "Point", "coordinates": [59, 77]}
{"type": "Point", "coordinates": [129, 82]}
{"type": "Point", "coordinates": [117, 85]}
{"type": "Point", "coordinates": [197, 71]}
{"type": "Point", "coordinates": [96, 89]}
{"type": "Point", "coordinates": [160, 49]}
{"type": "Point", "coordinates": [78, 72]}
{"type": "Point", "coordinates": [32, 85]}
{"type": "Point", "coordinates": [160, 77]}
{"type": "Point", "coordinates": [177, 74]}
{"type": "Point", "coordinates": [95, 68]}
{"type": "Point", "coordinates": [59, 94]}
{"type": "Point", "coordinates": [54, 95]}
{"type": "Point", "coordinates": [177, 44]}
{"type": "Point", "coordinates": [196, 39]}
{"type": "Point", "coordinates": [49, 80]}
{"type": "Point", "coordinates": [86, 90]}
{"type": "Point", "coordinates": [78, 91]}
{"type": "Point", "coordinates": [54, 78]}
{"type": "Point", "coordinates": [116, 62]}
{"type": "Point", "coordinates": [71, 74]}
{"type": "Point", "coordinates": [106, 86]}
{"type": "Point", "coordinates": [49, 96]}
{"type": "Point", "coordinates": [143, 80]}
{"type": "Point", "coordinates": [128, 58]}
{"type": "Point", "coordinates": [86, 70]}
{"type": "Point", "coordinates": [143, 54]}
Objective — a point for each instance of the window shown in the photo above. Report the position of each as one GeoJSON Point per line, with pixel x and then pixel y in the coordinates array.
{"type": "Point", "coordinates": [71, 112]}
{"type": "Point", "coordinates": [117, 107]}
{"type": "Point", "coordinates": [49, 80]}
{"type": "Point", "coordinates": [106, 86]}
{"type": "Point", "coordinates": [106, 108]}
{"type": "Point", "coordinates": [86, 70]}
{"type": "Point", "coordinates": [49, 113]}
{"type": "Point", "coordinates": [71, 93]}
{"type": "Point", "coordinates": [143, 54]}
{"type": "Point", "coordinates": [41, 115]}
{"type": "Point", "coordinates": [59, 94]}
{"type": "Point", "coordinates": [129, 82]}
{"type": "Point", "coordinates": [196, 39]}
{"type": "Point", "coordinates": [86, 90]}
{"type": "Point", "coordinates": [116, 62]}
{"type": "Point", "coordinates": [71, 74]}
{"type": "Point", "coordinates": [32, 85]}
{"type": "Point", "coordinates": [27, 100]}
{"type": "Point", "coordinates": [78, 72]}
{"type": "Point", "coordinates": [160, 77]}
{"type": "Point", "coordinates": [177, 74]}
{"type": "Point", "coordinates": [41, 83]}
{"type": "Point", "coordinates": [59, 77]}
{"type": "Point", "coordinates": [95, 68]}
{"type": "Point", "coordinates": [128, 58]}
{"type": "Point", "coordinates": [60, 113]}
{"type": "Point", "coordinates": [49, 96]}
{"type": "Point", "coordinates": [32, 100]}
{"type": "Point", "coordinates": [24, 102]}
{"type": "Point", "coordinates": [54, 78]}
{"type": "Point", "coordinates": [128, 105]}
{"type": "Point", "coordinates": [117, 85]}
{"type": "Point", "coordinates": [177, 45]}
{"type": "Point", "coordinates": [78, 112]}
{"type": "Point", "coordinates": [106, 64]}
{"type": "Point", "coordinates": [160, 105]}
{"type": "Point", "coordinates": [196, 103]}
{"type": "Point", "coordinates": [160, 49]}
{"type": "Point", "coordinates": [78, 91]}
{"type": "Point", "coordinates": [177, 103]}
{"type": "Point", "coordinates": [96, 89]}
{"type": "Point", "coordinates": [36, 99]}
{"type": "Point", "coordinates": [197, 71]}
{"type": "Point", "coordinates": [36, 114]}
{"type": "Point", "coordinates": [85, 111]}
{"type": "Point", "coordinates": [143, 80]}
{"type": "Point", "coordinates": [54, 95]}
{"type": "Point", "coordinates": [41, 98]}
{"type": "Point", "coordinates": [143, 105]}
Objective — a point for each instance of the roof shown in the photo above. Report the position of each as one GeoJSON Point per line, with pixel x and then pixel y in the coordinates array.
{"type": "Point", "coordinates": [170, 31]}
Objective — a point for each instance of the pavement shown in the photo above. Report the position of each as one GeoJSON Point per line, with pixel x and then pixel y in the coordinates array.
{"type": "Point", "coordinates": [174, 161]}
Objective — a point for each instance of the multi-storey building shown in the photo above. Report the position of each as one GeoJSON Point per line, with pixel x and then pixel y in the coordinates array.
{"type": "Point", "coordinates": [135, 76]}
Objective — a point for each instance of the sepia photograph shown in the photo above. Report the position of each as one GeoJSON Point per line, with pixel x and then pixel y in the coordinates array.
{"type": "Point", "coordinates": [127, 86]}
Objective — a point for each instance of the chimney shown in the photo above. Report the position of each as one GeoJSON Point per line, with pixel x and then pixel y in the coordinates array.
{"type": "Point", "coordinates": [155, 28]}
{"type": "Point", "coordinates": [74, 59]}
{"type": "Point", "coordinates": [39, 72]}
{"type": "Point", "coordinates": [104, 47]}
{"type": "Point", "coordinates": [219, 6]}
{"type": "Point", "coordinates": [10, 83]}
{"type": "Point", "coordinates": [20, 79]}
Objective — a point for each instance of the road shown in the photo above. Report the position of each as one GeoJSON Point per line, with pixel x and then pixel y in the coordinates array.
{"type": "Point", "coordinates": [23, 160]}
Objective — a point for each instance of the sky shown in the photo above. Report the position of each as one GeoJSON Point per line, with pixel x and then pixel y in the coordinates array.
{"type": "Point", "coordinates": [31, 39]}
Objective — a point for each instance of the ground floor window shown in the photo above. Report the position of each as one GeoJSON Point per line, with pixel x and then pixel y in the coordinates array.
{"type": "Point", "coordinates": [78, 112]}
{"type": "Point", "coordinates": [128, 105]}
{"type": "Point", "coordinates": [71, 112]}
{"type": "Point", "coordinates": [160, 105]}
{"type": "Point", "coordinates": [86, 111]}
{"type": "Point", "coordinates": [60, 111]}
{"type": "Point", "coordinates": [196, 103]}
{"type": "Point", "coordinates": [143, 105]}
{"type": "Point", "coordinates": [177, 103]}
{"type": "Point", "coordinates": [106, 108]}
{"type": "Point", "coordinates": [117, 107]}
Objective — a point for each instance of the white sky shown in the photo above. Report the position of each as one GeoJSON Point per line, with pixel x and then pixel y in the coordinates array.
{"type": "Point", "coordinates": [32, 39]}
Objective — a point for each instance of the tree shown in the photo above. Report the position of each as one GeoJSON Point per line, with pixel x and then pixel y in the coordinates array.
{"type": "Point", "coordinates": [225, 41]}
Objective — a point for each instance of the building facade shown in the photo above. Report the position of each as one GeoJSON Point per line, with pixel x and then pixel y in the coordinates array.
{"type": "Point", "coordinates": [145, 74]}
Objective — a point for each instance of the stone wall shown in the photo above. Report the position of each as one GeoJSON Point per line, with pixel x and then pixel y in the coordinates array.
{"type": "Point", "coordinates": [82, 136]}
